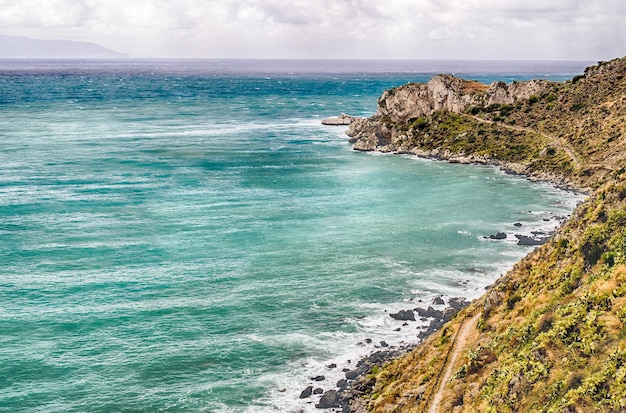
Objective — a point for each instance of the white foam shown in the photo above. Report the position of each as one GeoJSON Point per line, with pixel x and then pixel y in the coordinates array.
{"type": "Point", "coordinates": [343, 350]}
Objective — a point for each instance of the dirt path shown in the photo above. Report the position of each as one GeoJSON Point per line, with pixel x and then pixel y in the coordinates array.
{"type": "Point", "coordinates": [560, 143]}
{"type": "Point", "coordinates": [459, 342]}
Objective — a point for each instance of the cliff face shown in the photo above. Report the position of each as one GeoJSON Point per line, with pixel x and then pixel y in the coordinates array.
{"type": "Point", "coordinates": [409, 106]}
{"type": "Point", "coordinates": [446, 92]}
{"type": "Point", "coordinates": [549, 336]}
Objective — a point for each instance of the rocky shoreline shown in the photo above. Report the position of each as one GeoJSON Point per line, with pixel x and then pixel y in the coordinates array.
{"type": "Point", "coordinates": [365, 136]}
{"type": "Point", "coordinates": [358, 381]}
{"type": "Point", "coordinates": [347, 396]}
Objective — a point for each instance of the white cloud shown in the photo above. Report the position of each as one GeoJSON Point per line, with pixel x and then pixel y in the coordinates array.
{"type": "Point", "coordinates": [559, 29]}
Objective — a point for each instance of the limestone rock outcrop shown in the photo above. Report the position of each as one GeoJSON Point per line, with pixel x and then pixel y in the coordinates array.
{"type": "Point", "coordinates": [340, 120]}
{"type": "Point", "coordinates": [450, 93]}
{"type": "Point", "coordinates": [369, 134]}
{"type": "Point", "coordinates": [416, 100]}
{"type": "Point", "coordinates": [502, 93]}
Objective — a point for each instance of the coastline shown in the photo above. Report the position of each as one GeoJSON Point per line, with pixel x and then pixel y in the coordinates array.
{"type": "Point", "coordinates": [559, 181]}
{"type": "Point", "coordinates": [549, 334]}
{"type": "Point", "coordinates": [347, 395]}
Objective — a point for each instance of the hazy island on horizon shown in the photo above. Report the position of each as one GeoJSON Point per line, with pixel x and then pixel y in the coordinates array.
{"type": "Point", "coordinates": [14, 47]}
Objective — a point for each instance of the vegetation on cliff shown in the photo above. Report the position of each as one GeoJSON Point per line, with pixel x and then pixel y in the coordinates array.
{"type": "Point", "coordinates": [549, 336]}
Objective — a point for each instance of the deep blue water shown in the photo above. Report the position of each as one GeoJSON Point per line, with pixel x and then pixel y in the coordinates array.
{"type": "Point", "coordinates": [186, 236]}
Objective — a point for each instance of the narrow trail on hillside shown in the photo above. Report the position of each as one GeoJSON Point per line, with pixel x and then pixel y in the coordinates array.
{"type": "Point", "coordinates": [459, 343]}
{"type": "Point", "coordinates": [560, 143]}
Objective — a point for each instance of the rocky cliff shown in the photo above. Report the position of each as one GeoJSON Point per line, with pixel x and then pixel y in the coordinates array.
{"type": "Point", "coordinates": [550, 335]}
{"type": "Point", "coordinates": [446, 92]}
{"type": "Point", "coordinates": [409, 106]}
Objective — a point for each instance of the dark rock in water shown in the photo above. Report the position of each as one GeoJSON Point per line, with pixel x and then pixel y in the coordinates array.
{"type": "Point", "coordinates": [518, 224]}
{"type": "Point", "coordinates": [429, 312]}
{"type": "Point", "coordinates": [306, 392]}
{"type": "Point", "coordinates": [368, 340]}
{"type": "Point", "coordinates": [528, 241]}
{"type": "Point", "coordinates": [329, 399]}
{"type": "Point", "coordinates": [538, 233]}
{"type": "Point", "coordinates": [342, 384]}
{"type": "Point", "coordinates": [397, 329]}
{"type": "Point", "coordinates": [499, 235]}
{"type": "Point", "coordinates": [318, 378]}
{"type": "Point", "coordinates": [438, 301]}
{"type": "Point", "coordinates": [352, 374]}
{"type": "Point", "coordinates": [319, 390]}
{"type": "Point", "coordinates": [384, 344]}
{"type": "Point", "coordinates": [332, 366]}
{"type": "Point", "coordinates": [403, 315]}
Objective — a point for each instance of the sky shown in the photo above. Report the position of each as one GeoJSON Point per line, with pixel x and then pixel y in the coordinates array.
{"type": "Point", "coordinates": [319, 29]}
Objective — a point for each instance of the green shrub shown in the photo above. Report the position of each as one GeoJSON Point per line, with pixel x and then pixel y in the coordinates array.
{"type": "Point", "coordinates": [510, 303]}
{"type": "Point", "coordinates": [593, 244]}
{"type": "Point", "coordinates": [419, 123]}
{"type": "Point", "coordinates": [576, 107]}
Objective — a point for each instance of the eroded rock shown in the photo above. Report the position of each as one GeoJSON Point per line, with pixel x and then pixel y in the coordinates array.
{"type": "Point", "coordinates": [341, 120]}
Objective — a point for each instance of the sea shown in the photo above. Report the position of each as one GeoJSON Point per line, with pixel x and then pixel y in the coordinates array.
{"type": "Point", "coordinates": [185, 235]}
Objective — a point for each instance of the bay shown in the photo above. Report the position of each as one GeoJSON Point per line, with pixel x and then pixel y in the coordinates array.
{"type": "Point", "coordinates": [186, 236]}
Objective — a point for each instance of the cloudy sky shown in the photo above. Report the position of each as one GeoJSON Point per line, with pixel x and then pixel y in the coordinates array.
{"type": "Point", "coordinates": [404, 29]}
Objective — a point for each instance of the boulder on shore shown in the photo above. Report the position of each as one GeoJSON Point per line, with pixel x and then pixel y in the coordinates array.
{"type": "Point", "coordinates": [329, 399]}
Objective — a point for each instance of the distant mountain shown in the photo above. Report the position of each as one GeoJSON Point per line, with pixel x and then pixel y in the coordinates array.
{"type": "Point", "coordinates": [23, 47]}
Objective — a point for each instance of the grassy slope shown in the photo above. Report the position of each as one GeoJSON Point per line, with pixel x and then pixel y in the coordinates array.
{"type": "Point", "coordinates": [552, 332]}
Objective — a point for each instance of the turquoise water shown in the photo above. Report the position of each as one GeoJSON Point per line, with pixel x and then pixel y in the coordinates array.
{"type": "Point", "coordinates": [187, 237]}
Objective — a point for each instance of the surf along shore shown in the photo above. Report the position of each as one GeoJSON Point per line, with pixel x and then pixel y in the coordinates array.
{"type": "Point", "coordinates": [550, 335]}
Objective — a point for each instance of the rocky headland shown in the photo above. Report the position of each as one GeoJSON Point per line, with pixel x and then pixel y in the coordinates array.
{"type": "Point", "coordinates": [550, 335]}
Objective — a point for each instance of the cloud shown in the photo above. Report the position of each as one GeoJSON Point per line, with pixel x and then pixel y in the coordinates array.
{"type": "Point", "coordinates": [559, 29]}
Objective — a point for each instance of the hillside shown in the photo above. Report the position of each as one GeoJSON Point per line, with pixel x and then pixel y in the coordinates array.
{"type": "Point", "coordinates": [549, 336]}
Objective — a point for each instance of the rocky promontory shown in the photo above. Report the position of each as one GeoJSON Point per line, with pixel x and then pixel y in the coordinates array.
{"type": "Point", "coordinates": [405, 110]}
{"type": "Point", "coordinates": [550, 131]}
